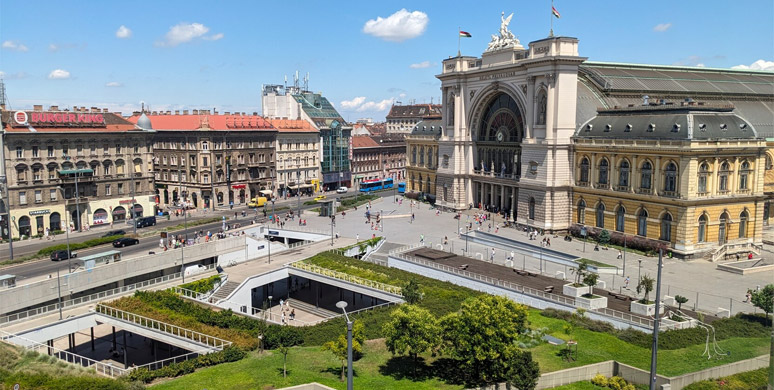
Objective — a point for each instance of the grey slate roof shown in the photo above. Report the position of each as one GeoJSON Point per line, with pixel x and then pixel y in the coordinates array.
{"type": "Point", "coordinates": [428, 127]}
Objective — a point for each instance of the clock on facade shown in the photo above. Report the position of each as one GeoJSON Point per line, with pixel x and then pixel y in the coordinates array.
{"type": "Point", "coordinates": [500, 136]}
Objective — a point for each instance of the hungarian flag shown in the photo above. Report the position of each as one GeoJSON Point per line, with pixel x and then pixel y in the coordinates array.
{"type": "Point", "coordinates": [555, 12]}
{"type": "Point", "coordinates": [465, 34]}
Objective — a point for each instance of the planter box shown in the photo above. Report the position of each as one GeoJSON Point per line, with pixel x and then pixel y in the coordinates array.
{"type": "Point", "coordinates": [668, 323]}
{"type": "Point", "coordinates": [648, 310]}
{"type": "Point", "coordinates": [591, 303]}
{"type": "Point", "coordinates": [568, 289]}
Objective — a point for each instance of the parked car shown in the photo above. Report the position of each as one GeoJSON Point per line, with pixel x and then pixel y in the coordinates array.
{"type": "Point", "coordinates": [320, 197]}
{"type": "Point", "coordinates": [114, 233]}
{"type": "Point", "coordinates": [125, 241]}
{"type": "Point", "coordinates": [62, 255]}
{"type": "Point", "coordinates": [341, 190]}
{"type": "Point", "coordinates": [142, 221]}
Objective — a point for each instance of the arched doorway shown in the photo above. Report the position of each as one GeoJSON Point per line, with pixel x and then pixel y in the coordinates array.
{"type": "Point", "coordinates": [499, 135]}
{"type": "Point", "coordinates": [195, 200]}
{"type": "Point", "coordinates": [55, 222]}
{"type": "Point", "coordinates": [242, 196]}
{"type": "Point", "coordinates": [119, 214]}
{"type": "Point", "coordinates": [137, 210]}
{"type": "Point", "coordinates": [230, 196]}
{"type": "Point", "coordinates": [75, 220]}
{"type": "Point", "coordinates": [220, 198]}
{"type": "Point", "coordinates": [24, 226]}
{"type": "Point", "coordinates": [166, 196]}
{"type": "Point", "coordinates": [100, 217]}
{"type": "Point", "coordinates": [722, 228]}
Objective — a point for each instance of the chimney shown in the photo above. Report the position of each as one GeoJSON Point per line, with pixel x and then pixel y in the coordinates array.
{"type": "Point", "coordinates": [255, 113]}
{"type": "Point", "coordinates": [75, 108]}
{"type": "Point", "coordinates": [195, 112]}
{"type": "Point", "coordinates": [226, 113]}
{"type": "Point", "coordinates": [185, 112]}
{"type": "Point", "coordinates": [95, 109]}
{"type": "Point", "coordinates": [54, 108]}
{"type": "Point", "coordinates": [118, 113]}
{"type": "Point", "coordinates": [37, 107]}
{"type": "Point", "coordinates": [169, 112]}
{"type": "Point", "coordinates": [105, 111]}
{"type": "Point", "coordinates": [214, 112]}
{"type": "Point", "coordinates": [154, 113]}
{"type": "Point", "coordinates": [137, 113]}
{"type": "Point", "coordinates": [177, 112]}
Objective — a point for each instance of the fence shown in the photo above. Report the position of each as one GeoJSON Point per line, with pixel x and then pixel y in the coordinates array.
{"type": "Point", "coordinates": [25, 315]}
{"type": "Point", "coordinates": [165, 362]}
{"type": "Point", "coordinates": [347, 277]}
{"type": "Point", "coordinates": [106, 369]}
{"type": "Point", "coordinates": [173, 330]}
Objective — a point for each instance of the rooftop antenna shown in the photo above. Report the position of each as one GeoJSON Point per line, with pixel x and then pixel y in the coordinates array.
{"type": "Point", "coordinates": [286, 81]}
{"type": "Point", "coordinates": [306, 82]}
{"type": "Point", "coordinates": [3, 97]}
{"type": "Point", "coordinates": [295, 80]}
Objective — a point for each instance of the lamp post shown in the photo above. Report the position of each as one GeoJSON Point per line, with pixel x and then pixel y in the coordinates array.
{"type": "Point", "coordinates": [77, 195]}
{"type": "Point", "coordinates": [298, 192]}
{"type": "Point", "coordinates": [654, 348]}
{"type": "Point", "coordinates": [624, 256]}
{"type": "Point", "coordinates": [332, 216]}
{"type": "Point", "coordinates": [134, 198]}
{"type": "Point", "coordinates": [185, 225]}
{"type": "Point", "coordinates": [67, 235]}
{"type": "Point", "coordinates": [343, 305]}
{"type": "Point", "coordinates": [639, 268]}
{"type": "Point", "coordinates": [268, 243]}
{"type": "Point", "coordinates": [270, 298]}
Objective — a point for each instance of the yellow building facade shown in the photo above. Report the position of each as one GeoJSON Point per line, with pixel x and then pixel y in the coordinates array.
{"type": "Point", "coordinates": [688, 177]}
{"type": "Point", "coordinates": [422, 157]}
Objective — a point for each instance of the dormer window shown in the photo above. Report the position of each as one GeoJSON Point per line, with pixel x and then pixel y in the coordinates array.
{"type": "Point", "coordinates": [628, 127]}
{"type": "Point", "coordinates": [651, 127]}
{"type": "Point", "coordinates": [589, 127]}
{"type": "Point", "coordinates": [723, 126]}
{"type": "Point", "coordinates": [608, 127]}
{"type": "Point", "coordinates": [743, 126]}
{"type": "Point", "coordinates": [702, 127]}
{"type": "Point", "coordinates": [676, 128]}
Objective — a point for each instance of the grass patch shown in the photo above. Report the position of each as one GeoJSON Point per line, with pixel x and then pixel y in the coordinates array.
{"type": "Point", "coordinates": [586, 385]}
{"type": "Point", "coordinates": [750, 380]}
{"type": "Point", "coordinates": [47, 251]}
{"type": "Point", "coordinates": [595, 263]}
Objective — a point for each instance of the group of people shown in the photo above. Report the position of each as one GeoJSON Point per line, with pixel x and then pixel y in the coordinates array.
{"type": "Point", "coordinates": [285, 309]}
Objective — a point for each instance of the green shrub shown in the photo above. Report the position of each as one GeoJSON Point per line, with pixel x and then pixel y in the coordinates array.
{"type": "Point", "coordinates": [202, 286]}
{"type": "Point", "coordinates": [227, 355]}
{"type": "Point", "coordinates": [599, 380]}
{"type": "Point", "coordinates": [78, 245]}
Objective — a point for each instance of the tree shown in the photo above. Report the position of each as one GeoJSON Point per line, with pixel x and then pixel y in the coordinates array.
{"type": "Point", "coordinates": [520, 370]}
{"type": "Point", "coordinates": [680, 300]}
{"type": "Point", "coordinates": [580, 272]}
{"type": "Point", "coordinates": [285, 338]}
{"type": "Point", "coordinates": [411, 293]}
{"type": "Point", "coordinates": [479, 333]}
{"type": "Point", "coordinates": [604, 237]}
{"type": "Point", "coordinates": [645, 285]}
{"type": "Point", "coordinates": [339, 346]}
{"type": "Point", "coordinates": [590, 279]}
{"type": "Point", "coordinates": [764, 299]}
{"type": "Point", "coordinates": [411, 330]}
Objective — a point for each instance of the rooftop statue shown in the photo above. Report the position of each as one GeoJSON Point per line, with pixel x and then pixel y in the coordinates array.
{"type": "Point", "coordinates": [506, 39]}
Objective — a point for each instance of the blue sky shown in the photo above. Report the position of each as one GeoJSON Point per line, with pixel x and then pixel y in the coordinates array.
{"type": "Point", "coordinates": [204, 54]}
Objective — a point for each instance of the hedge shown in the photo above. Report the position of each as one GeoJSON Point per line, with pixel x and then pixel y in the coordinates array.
{"type": "Point", "coordinates": [202, 286]}
{"type": "Point", "coordinates": [40, 381]}
{"type": "Point", "coordinates": [639, 243]}
{"type": "Point", "coordinates": [227, 355]}
{"type": "Point", "coordinates": [741, 325]}
{"type": "Point", "coordinates": [78, 245]}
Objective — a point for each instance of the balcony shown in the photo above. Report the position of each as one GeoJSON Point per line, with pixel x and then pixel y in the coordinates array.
{"type": "Point", "coordinates": [670, 194]}
{"type": "Point", "coordinates": [644, 191]}
{"type": "Point", "coordinates": [622, 188]}
{"type": "Point", "coordinates": [582, 184]}
{"type": "Point", "coordinates": [74, 201]}
{"type": "Point", "coordinates": [506, 176]}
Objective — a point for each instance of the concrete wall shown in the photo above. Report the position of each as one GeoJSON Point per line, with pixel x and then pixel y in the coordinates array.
{"type": "Point", "coordinates": [242, 295]}
{"type": "Point", "coordinates": [681, 381]}
{"type": "Point", "coordinates": [536, 302]}
{"type": "Point", "coordinates": [24, 296]}
{"type": "Point", "coordinates": [550, 380]}
{"type": "Point", "coordinates": [255, 248]}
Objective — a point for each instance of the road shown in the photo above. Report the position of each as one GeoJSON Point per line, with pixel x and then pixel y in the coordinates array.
{"type": "Point", "coordinates": [47, 267]}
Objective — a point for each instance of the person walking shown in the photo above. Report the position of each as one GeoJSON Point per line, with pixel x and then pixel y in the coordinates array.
{"type": "Point", "coordinates": [491, 257]}
{"type": "Point", "coordinates": [513, 255]}
{"type": "Point", "coordinates": [619, 254]}
{"type": "Point", "coordinates": [422, 239]}
{"type": "Point", "coordinates": [626, 282]}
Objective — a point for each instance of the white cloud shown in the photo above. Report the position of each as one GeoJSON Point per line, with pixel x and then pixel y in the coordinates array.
{"type": "Point", "coordinates": [123, 32]}
{"type": "Point", "coordinates": [13, 45]}
{"type": "Point", "coordinates": [402, 95]}
{"type": "Point", "coordinates": [114, 84]}
{"type": "Point", "coordinates": [13, 76]}
{"type": "Point", "coordinates": [352, 104]}
{"type": "Point", "coordinates": [398, 27]}
{"type": "Point", "coordinates": [757, 65]}
{"type": "Point", "coordinates": [377, 106]}
{"type": "Point", "coordinates": [186, 32]}
{"type": "Point", "coordinates": [59, 74]}
{"type": "Point", "coordinates": [662, 27]}
{"type": "Point", "coordinates": [53, 47]}
{"type": "Point", "coordinates": [421, 65]}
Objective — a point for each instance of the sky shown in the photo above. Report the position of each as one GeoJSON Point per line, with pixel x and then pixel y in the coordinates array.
{"type": "Point", "coordinates": [363, 56]}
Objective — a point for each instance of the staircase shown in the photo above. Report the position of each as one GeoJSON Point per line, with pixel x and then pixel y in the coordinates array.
{"type": "Point", "coordinates": [224, 291]}
{"type": "Point", "coordinates": [309, 308]}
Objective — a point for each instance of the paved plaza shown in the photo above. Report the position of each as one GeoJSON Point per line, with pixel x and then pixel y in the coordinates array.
{"type": "Point", "coordinates": [693, 279]}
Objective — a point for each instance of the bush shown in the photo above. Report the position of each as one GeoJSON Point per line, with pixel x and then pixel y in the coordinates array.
{"type": "Point", "coordinates": [599, 380]}
{"type": "Point", "coordinates": [202, 286]}
{"type": "Point", "coordinates": [227, 355]}
{"type": "Point", "coordinates": [77, 245]}
{"type": "Point", "coordinates": [637, 243]}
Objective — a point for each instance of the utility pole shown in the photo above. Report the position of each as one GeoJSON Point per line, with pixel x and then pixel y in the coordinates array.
{"type": "Point", "coordinates": [654, 348]}
{"type": "Point", "coordinates": [134, 199]}
{"type": "Point", "coordinates": [6, 192]}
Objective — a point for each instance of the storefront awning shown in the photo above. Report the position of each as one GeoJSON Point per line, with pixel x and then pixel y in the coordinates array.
{"type": "Point", "coordinates": [75, 171]}
{"type": "Point", "coordinates": [265, 192]}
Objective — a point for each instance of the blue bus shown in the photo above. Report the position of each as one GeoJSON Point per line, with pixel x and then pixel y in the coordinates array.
{"type": "Point", "coordinates": [401, 188]}
{"type": "Point", "coordinates": [375, 184]}
{"type": "Point", "coordinates": [387, 183]}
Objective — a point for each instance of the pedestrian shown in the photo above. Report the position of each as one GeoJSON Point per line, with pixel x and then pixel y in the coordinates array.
{"type": "Point", "coordinates": [491, 258]}
{"type": "Point", "coordinates": [750, 256]}
{"type": "Point", "coordinates": [293, 314]}
{"type": "Point", "coordinates": [422, 239]}
{"type": "Point", "coordinates": [357, 237]}
{"type": "Point", "coordinates": [445, 240]}
{"type": "Point", "coordinates": [619, 254]}
{"type": "Point", "coordinates": [626, 282]}
{"type": "Point", "coordinates": [548, 241]}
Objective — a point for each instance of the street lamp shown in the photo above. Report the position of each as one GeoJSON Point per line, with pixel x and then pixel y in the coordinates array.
{"type": "Point", "coordinates": [270, 298]}
{"type": "Point", "coordinates": [67, 235]}
{"type": "Point", "coordinates": [638, 270]}
{"type": "Point", "coordinates": [77, 195]}
{"type": "Point", "coordinates": [343, 305]}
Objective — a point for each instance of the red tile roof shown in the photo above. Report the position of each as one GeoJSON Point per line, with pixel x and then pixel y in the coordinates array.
{"type": "Point", "coordinates": [293, 126]}
{"type": "Point", "coordinates": [113, 123]}
{"type": "Point", "coordinates": [363, 141]}
{"type": "Point", "coordinates": [207, 122]}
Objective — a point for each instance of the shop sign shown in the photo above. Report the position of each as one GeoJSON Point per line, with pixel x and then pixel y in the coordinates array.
{"type": "Point", "coordinates": [127, 201]}
{"type": "Point", "coordinates": [20, 117]}
{"type": "Point", "coordinates": [40, 212]}
{"type": "Point", "coordinates": [238, 186]}
{"type": "Point", "coordinates": [66, 118]}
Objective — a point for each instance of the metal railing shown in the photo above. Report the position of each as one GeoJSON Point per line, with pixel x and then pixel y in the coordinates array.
{"type": "Point", "coordinates": [173, 330]}
{"type": "Point", "coordinates": [25, 315]}
{"type": "Point", "coordinates": [165, 362]}
{"type": "Point", "coordinates": [184, 292]}
{"type": "Point", "coordinates": [347, 277]}
{"type": "Point", "coordinates": [106, 369]}
{"type": "Point", "coordinates": [558, 298]}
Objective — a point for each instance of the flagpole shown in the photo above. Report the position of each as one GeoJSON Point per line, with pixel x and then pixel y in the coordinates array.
{"type": "Point", "coordinates": [551, 16]}
{"type": "Point", "coordinates": [459, 36]}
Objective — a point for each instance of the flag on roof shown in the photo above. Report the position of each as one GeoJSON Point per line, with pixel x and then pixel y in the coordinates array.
{"type": "Point", "coordinates": [465, 34]}
{"type": "Point", "coordinates": [555, 12]}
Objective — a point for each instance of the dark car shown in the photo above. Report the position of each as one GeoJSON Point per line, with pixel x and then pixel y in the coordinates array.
{"type": "Point", "coordinates": [114, 233]}
{"type": "Point", "coordinates": [125, 241]}
{"type": "Point", "coordinates": [143, 221]}
{"type": "Point", "coordinates": [62, 255]}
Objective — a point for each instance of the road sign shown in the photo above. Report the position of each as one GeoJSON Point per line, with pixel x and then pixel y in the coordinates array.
{"type": "Point", "coordinates": [583, 232]}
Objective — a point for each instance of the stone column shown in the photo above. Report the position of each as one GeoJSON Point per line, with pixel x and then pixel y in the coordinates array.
{"type": "Point", "coordinates": [529, 118]}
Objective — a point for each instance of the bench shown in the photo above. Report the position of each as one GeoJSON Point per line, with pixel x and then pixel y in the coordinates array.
{"type": "Point", "coordinates": [463, 267]}
{"type": "Point", "coordinates": [520, 272]}
{"type": "Point", "coordinates": [531, 273]}
{"type": "Point", "coordinates": [620, 296]}
{"type": "Point", "coordinates": [548, 289]}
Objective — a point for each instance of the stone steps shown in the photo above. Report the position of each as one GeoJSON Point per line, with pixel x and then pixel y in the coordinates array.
{"type": "Point", "coordinates": [225, 290]}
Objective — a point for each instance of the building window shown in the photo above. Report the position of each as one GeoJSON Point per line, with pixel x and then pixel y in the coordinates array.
{"type": "Point", "coordinates": [136, 149]}
{"type": "Point", "coordinates": [670, 178]}
{"type": "Point", "coordinates": [619, 218]}
{"type": "Point", "coordinates": [666, 227]}
{"type": "Point", "coordinates": [702, 234]}
{"type": "Point", "coordinates": [36, 174]}
{"type": "Point", "coordinates": [725, 169]}
{"type": "Point", "coordinates": [19, 152]}
{"type": "Point", "coordinates": [105, 149]}
{"type": "Point", "coordinates": [51, 173]}
{"type": "Point", "coordinates": [703, 174]}
{"type": "Point", "coordinates": [623, 175]}
{"type": "Point", "coordinates": [413, 155]}
{"type": "Point", "coordinates": [52, 194]}
{"type": "Point", "coordinates": [107, 189]}
{"type": "Point", "coordinates": [584, 170]}
{"type": "Point", "coordinates": [531, 208]}
{"type": "Point", "coordinates": [92, 150]}
{"type": "Point", "coordinates": [38, 196]}
{"type": "Point", "coordinates": [743, 217]}
{"type": "Point", "coordinates": [582, 212]}
{"type": "Point", "coordinates": [744, 173]}
{"type": "Point", "coordinates": [646, 173]}
{"type": "Point", "coordinates": [422, 155]}
{"type": "Point", "coordinates": [21, 174]}
{"type": "Point", "coordinates": [35, 152]}
{"type": "Point", "coordinates": [50, 151]}
{"type": "Point", "coordinates": [601, 215]}
{"type": "Point", "coordinates": [22, 197]}
{"type": "Point", "coordinates": [120, 188]}
{"type": "Point", "coordinates": [722, 229]}
{"type": "Point", "coordinates": [430, 157]}
{"type": "Point", "coordinates": [603, 171]}
{"type": "Point", "coordinates": [642, 223]}
{"type": "Point", "coordinates": [769, 163]}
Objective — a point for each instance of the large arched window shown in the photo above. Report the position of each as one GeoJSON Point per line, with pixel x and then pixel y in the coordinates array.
{"type": "Point", "coordinates": [531, 208]}
{"type": "Point", "coordinates": [501, 116]}
{"type": "Point", "coordinates": [620, 215]}
{"type": "Point", "coordinates": [421, 155]}
{"type": "Point", "coordinates": [744, 174]}
{"type": "Point", "coordinates": [702, 236]}
{"type": "Point", "coordinates": [725, 171]}
{"type": "Point", "coordinates": [604, 169]}
{"type": "Point", "coordinates": [582, 212]}
{"type": "Point", "coordinates": [703, 175]}
{"type": "Point", "coordinates": [646, 173]}
{"type": "Point", "coordinates": [642, 223]}
{"type": "Point", "coordinates": [743, 217]}
{"type": "Point", "coordinates": [584, 170]}
{"type": "Point", "coordinates": [670, 178]}
{"type": "Point", "coordinates": [623, 175]}
{"type": "Point", "coordinates": [430, 157]}
{"type": "Point", "coordinates": [601, 215]}
{"type": "Point", "coordinates": [769, 163]}
{"type": "Point", "coordinates": [666, 227]}
{"type": "Point", "coordinates": [723, 229]}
